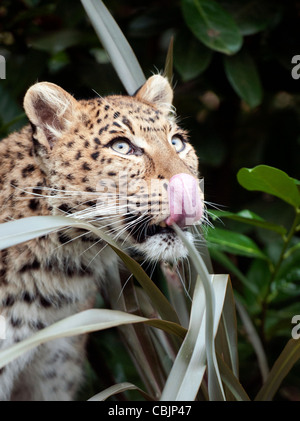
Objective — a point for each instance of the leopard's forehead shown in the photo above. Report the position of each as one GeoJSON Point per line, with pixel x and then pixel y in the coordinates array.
{"type": "Point", "coordinates": [117, 114]}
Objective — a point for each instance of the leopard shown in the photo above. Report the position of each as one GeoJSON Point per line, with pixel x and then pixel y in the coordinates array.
{"type": "Point", "coordinates": [121, 163]}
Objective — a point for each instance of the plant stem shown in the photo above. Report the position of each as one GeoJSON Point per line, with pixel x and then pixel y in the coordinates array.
{"type": "Point", "coordinates": [275, 269]}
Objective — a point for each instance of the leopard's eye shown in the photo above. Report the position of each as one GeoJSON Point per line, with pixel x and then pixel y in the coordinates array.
{"type": "Point", "coordinates": [122, 146]}
{"type": "Point", "coordinates": [178, 143]}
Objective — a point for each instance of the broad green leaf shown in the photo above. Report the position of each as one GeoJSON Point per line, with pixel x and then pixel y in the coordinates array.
{"type": "Point", "coordinates": [243, 76]}
{"type": "Point", "coordinates": [248, 217]}
{"type": "Point", "coordinates": [288, 357]}
{"type": "Point", "coordinates": [252, 16]}
{"type": "Point", "coordinates": [272, 181]}
{"type": "Point", "coordinates": [58, 41]}
{"type": "Point", "coordinates": [212, 25]}
{"type": "Point", "coordinates": [116, 45]}
{"type": "Point", "coordinates": [191, 57]}
{"type": "Point", "coordinates": [233, 242]}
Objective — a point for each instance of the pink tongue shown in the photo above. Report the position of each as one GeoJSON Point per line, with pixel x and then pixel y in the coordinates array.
{"type": "Point", "coordinates": [184, 200]}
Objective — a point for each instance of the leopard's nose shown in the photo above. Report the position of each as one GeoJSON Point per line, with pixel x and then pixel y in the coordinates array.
{"type": "Point", "coordinates": [185, 202]}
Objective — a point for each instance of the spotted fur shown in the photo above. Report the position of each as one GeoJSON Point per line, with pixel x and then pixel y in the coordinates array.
{"type": "Point", "coordinates": [55, 166]}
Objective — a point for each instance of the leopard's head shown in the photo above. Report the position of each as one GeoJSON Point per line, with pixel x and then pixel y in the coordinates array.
{"type": "Point", "coordinates": [120, 162]}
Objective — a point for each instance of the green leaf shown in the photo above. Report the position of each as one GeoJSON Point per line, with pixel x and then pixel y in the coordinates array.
{"type": "Point", "coordinates": [168, 70]}
{"type": "Point", "coordinates": [190, 363]}
{"type": "Point", "coordinates": [115, 389]}
{"type": "Point", "coordinates": [232, 382]}
{"type": "Point", "coordinates": [248, 217]}
{"type": "Point", "coordinates": [57, 41]}
{"type": "Point", "coordinates": [252, 16]}
{"type": "Point", "coordinates": [212, 25]}
{"type": "Point", "coordinates": [116, 45]}
{"type": "Point", "coordinates": [86, 321]}
{"type": "Point", "coordinates": [233, 242]}
{"type": "Point", "coordinates": [272, 181]}
{"type": "Point", "coordinates": [191, 58]}
{"type": "Point", "coordinates": [243, 76]}
{"type": "Point", "coordinates": [288, 357]}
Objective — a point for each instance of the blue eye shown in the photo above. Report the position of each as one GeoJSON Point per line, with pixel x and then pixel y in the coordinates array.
{"type": "Point", "coordinates": [121, 146]}
{"type": "Point", "coordinates": [178, 144]}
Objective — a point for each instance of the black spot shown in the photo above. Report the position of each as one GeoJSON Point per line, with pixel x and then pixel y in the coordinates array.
{"type": "Point", "coordinates": [28, 298]}
{"type": "Point", "coordinates": [111, 173]}
{"type": "Point", "coordinates": [106, 107]}
{"type": "Point", "coordinates": [128, 124]}
{"type": "Point", "coordinates": [63, 238]}
{"type": "Point", "coordinates": [45, 302]}
{"type": "Point", "coordinates": [97, 141]}
{"type": "Point", "coordinates": [35, 265]}
{"type": "Point", "coordinates": [8, 301]}
{"type": "Point", "coordinates": [36, 324]}
{"type": "Point", "coordinates": [86, 144]}
{"type": "Point", "coordinates": [3, 280]}
{"type": "Point", "coordinates": [27, 170]}
{"type": "Point", "coordinates": [116, 114]}
{"type": "Point", "coordinates": [92, 203]}
{"type": "Point", "coordinates": [160, 177]}
{"type": "Point", "coordinates": [78, 155]}
{"type": "Point", "coordinates": [95, 155]}
{"type": "Point", "coordinates": [65, 208]}
{"type": "Point", "coordinates": [34, 204]}
{"type": "Point", "coordinates": [70, 144]}
{"type": "Point", "coordinates": [103, 129]}
{"type": "Point", "coordinates": [37, 190]}
{"type": "Point", "coordinates": [16, 322]}
{"type": "Point", "coordinates": [86, 167]}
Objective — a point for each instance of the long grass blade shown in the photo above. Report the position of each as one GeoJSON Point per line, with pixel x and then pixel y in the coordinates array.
{"type": "Point", "coordinates": [117, 388]}
{"type": "Point", "coordinates": [288, 357]}
{"type": "Point", "coordinates": [116, 45]}
{"type": "Point", "coordinates": [215, 387]}
{"type": "Point", "coordinates": [77, 324]}
{"type": "Point", "coordinates": [189, 367]}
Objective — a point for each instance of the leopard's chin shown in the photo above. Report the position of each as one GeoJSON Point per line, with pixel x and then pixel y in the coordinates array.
{"type": "Point", "coordinates": [163, 246]}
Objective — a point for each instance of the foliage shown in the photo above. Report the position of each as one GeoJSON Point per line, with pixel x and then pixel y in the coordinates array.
{"type": "Point", "coordinates": [235, 93]}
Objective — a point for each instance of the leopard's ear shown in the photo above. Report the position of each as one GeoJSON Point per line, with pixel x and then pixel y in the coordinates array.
{"type": "Point", "coordinates": [50, 109]}
{"type": "Point", "coordinates": [157, 91]}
